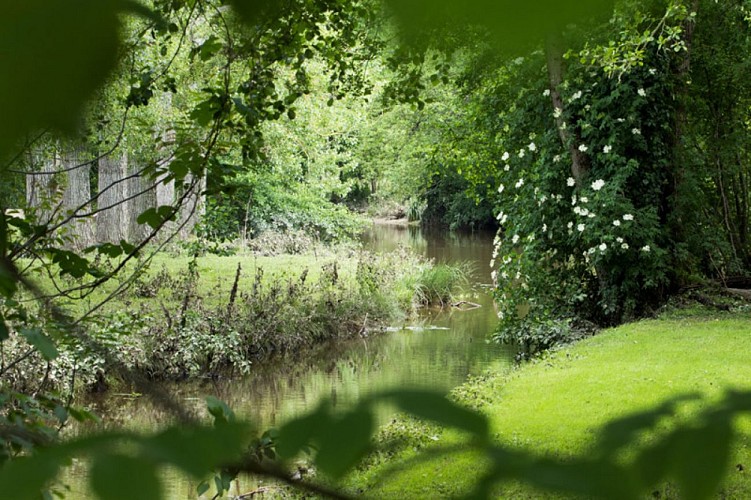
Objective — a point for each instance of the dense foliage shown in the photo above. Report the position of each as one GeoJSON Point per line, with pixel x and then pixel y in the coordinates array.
{"type": "Point", "coordinates": [609, 144]}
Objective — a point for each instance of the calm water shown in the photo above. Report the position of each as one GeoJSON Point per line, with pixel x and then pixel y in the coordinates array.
{"type": "Point", "coordinates": [438, 350]}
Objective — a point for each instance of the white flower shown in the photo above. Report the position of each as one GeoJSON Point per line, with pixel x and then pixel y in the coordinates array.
{"type": "Point", "coordinates": [570, 225]}
{"type": "Point", "coordinates": [563, 126]}
{"type": "Point", "coordinates": [591, 215]}
{"type": "Point", "coordinates": [505, 156]}
{"type": "Point", "coordinates": [616, 223]}
{"type": "Point", "coordinates": [652, 71]}
{"type": "Point", "coordinates": [576, 95]}
{"type": "Point", "coordinates": [587, 107]}
{"type": "Point", "coordinates": [532, 146]}
{"type": "Point", "coordinates": [515, 239]}
{"type": "Point", "coordinates": [580, 227]}
{"type": "Point", "coordinates": [493, 275]}
{"type": "Point", "coordinates": [521, 153]}
{"type": "Point", "coordinates": [645, 248]}
{"type": "Point", "coordinates": [577, 210]}
{"type": "Point", "coordinates": [500, 188]}
{"type": "Point", "coordinates": [619, 239]}
{"type": "Point", "coordinates": [557, 112]}
{"type": "Point", "coordinates": [598, 184]}
{"type": "Point", "coordinates": [556, 158]}
{"type": "Point", "coordinates": [584, 199]}
{"type": "Point", "coordinates": [546, 92]}
{"type": "Point", "coordinates": [642, 92]}
{"type": "Point", "coordinates": [506, 168]}
{"type": "Point", "coordinates": [500, 216]}
{"type": "Point", "coordinates": [624, 246]}
{"type": "Point", "coordinates": [544, 228]}
{"type": "Point", "coordinates": [635, 131]}
{"type": "Point", "coordinates": [628, 217]}
{"type": "Point", "coordinates": [606, 149]}
{"type": "Point", "coordinates": [583, 212]}
{"type": "Point", "coordinates": [519, 183]}
{"type": "Point", "coordinates": [492, 263]}
{"type": "Point", "coordinates": [603, 247]}
{"type": "Point", "coordinates": [504, 275]}
{"type": "Point", "coordinates": [573, 200]}
{"type": "Point", "coordinates": [591, 250]}
{"type": "Point", "coordinates": [583, 148]}
{"type": "Point", "coordinates": [543, 199]}
{"type": "Point", "coordinates": [570, 182]}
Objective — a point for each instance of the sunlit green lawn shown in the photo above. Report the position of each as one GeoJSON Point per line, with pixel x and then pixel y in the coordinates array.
{"type": "Point", "coordinates": [555, 407]}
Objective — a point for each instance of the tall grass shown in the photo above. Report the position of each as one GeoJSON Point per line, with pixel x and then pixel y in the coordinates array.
{"type": "Point", "coordinates": [442, 284]}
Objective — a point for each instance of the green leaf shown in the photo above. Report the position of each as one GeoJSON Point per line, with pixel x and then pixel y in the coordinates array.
{"type": "Point", "coordinates": [434, 406]}
{"type": "Point", "coordinates": [219, 410]}
{"type": "Point", "coordinates": [50, 65]}
{"type": "Point", "coordinates": [299, 432]}
{"type": "Point", "coordinates": [25, 477]}
{"type": "Point", "coordinates": [217, 445]}
{"type": "Point", "coordinates": [622, 431]}
{"type": "Point", "coordinates": [40, 341]}
{"type": "Point", "coordinates": [344, 441]}
{"type": "Point", "coordinates": [155, 217]}
{"type": "Point", "coordinates": [203, 488]}
{"type": "Point", "coordinates": [701, 456]}
{"type": "Point", "coordinates": [122, 477]}
{"type": "Point", "coordinates": [71, 263]}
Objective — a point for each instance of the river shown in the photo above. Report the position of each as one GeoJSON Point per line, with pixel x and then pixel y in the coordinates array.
{"type": "Point", "coordinates": [437, 350]}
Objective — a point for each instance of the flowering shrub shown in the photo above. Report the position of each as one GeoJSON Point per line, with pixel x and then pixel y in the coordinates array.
{"type": "Point", "coordinates": [597, 246]}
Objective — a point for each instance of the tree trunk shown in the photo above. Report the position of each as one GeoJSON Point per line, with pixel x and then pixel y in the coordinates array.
{"type": "Point", "coordinates": [112, 218]}
{"type": "Point", "coordinates": [76, 196]}
{"type": "Point", "coordinates": [143, 191]}
{"type": "Point", "coordinates": [554, 57]}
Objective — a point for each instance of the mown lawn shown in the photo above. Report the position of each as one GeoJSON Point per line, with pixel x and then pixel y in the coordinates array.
{"type": "Point", "coordinates": [555, 407]}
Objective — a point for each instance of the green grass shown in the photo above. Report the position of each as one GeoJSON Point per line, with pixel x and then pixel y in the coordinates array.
{"type": "Point", "coordinates": [555, 406]}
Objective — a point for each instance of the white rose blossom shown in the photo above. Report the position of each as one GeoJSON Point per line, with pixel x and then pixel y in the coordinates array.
{"type": "Point", "coordinates": [556, 158]}
{"type": "Point", "coordinates": [583, 148]}
{"type": "Point", "coordinates": [645, 248]}
{"type": "Point", "coordinates": [500, 188]}
{"type": "Point", "coordinates": [636, 131]}
{"type": "Point", "coordinates": [642, 92]}
{"type": "Point", "coordinates": [505, 156]}
{"type": "Point", "coordinates": [519, 183]}
{"type": "Point", "coordinates": [598, 184]}
{"type": "Point", "coordinates": [603, 247]}
{"type": "Point", "coordinates": [628, 217]}
{"type": "Point", "coordinates": [584, 199]}
{"type": "Point", "coordinates": [546, 92]}
{"type": "Point", "coordinates": [607, 149]}
{"type": "Point", "coordinates": [580, 227]}
{"type": "Point", "coordinates": [624, 246]}
{"type": "Point", "coordinates": [616, 223]}
{"type": "Point", "coordinates": [515, 239]}
{"type": "Point", "coordinates": [532, 146]}
{"type": "Point", "coordinates": [570, 182]}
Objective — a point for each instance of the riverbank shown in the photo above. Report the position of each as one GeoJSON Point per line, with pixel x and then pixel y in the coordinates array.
{"type": "Point", "coordinates": [557, 406]}
{"type": "Point", "coordinates": [198, 317]}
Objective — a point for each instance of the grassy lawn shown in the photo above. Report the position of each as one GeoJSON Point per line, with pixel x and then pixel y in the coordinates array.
{"type": "Point", "coordinates": [554, 407]}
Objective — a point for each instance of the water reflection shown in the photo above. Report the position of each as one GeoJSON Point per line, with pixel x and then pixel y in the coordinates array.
{"type": "Point", "coordinates": [416, 357]}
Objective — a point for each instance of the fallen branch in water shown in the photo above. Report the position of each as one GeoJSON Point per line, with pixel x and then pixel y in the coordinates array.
{"type": "Point", "coordinates": [469, 305]}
